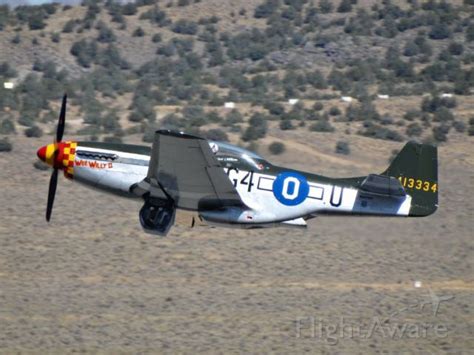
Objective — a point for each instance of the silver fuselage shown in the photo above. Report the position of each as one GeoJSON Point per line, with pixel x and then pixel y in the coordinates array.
{"type": "Point", "coordinates": [272, 194]}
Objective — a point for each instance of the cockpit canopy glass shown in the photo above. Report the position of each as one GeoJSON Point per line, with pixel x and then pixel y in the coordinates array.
{"type": "Point", "coordinates": [229, 153]}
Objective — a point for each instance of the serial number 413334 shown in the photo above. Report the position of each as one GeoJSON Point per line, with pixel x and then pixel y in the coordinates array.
{"type": "Point", "coordinates": [418, 184]}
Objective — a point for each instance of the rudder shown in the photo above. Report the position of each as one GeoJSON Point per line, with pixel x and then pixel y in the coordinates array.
{"type": "Point", "coordinates": [416, 166]}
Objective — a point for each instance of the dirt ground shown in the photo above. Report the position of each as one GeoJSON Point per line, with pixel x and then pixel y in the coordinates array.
{"type": "Point", "coordinates": [92, 281]}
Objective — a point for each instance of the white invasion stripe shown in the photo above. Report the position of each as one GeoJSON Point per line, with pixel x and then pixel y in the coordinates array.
{"type": "Point", "coordinates": [265, 183]}
{"type": "Point", "coordinates": [316, 192]}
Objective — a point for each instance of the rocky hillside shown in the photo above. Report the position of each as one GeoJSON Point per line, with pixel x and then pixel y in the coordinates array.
{"type": "Point", "coordinates": [392, 70]}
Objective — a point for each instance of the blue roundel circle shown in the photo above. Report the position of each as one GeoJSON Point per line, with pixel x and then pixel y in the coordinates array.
{"type": "Point", "coordinates": [290, 188]}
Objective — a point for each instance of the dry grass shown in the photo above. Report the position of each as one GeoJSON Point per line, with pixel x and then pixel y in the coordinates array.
{"type": "Point", "coordinates": [92, 281]}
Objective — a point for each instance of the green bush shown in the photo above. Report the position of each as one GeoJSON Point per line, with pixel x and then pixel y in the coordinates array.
{"type": "Point", "coordinates": [186, 27]}
{"type": "Point", "coordinates": [233, 117]}
{"type": "Point", "coordinates": [470, 33]}
{"type": "Point", "coordinates": [257, 128]}
{"type": "Point", "coordinates": [440, 133]}
{"type": "Point", "coordinates": [459, 126]}
{"type": "Point", "coordinates": [276, 148]}
{"type": "Point", "coordinates": [456, 48]}
{"type": "Point", "coordinates": [138, 32]}
{"type": "Point", "coordinates": [34, 131]}
{"type": "Point", "coordinates": [40, 165]}
{"type": "Point", "coordinates": [379, 132]}
{"type": "Point", "coordinates": [318, 106]}
{"type": "Point", "coordinates": [266, 9]}
{"type": "Point", "coordinates": [342, 147]}
{"type": "Point", "coordinates": [69, 26]}
{"type": "Point", "coordinates": [334, 111]}
{"type": "Point", "coordinates": [55, 37]}
{"type": "Point", "coordinates": [156, 38]}
{"type": "Point", "coordinates": [274, 108]}
{"type": "Point", "coordinates": [16, 39]}
{"type": "Point", "coordinates": [322, 126]}
{"type": "Point", "coordinates": [345, 6]}
{"type": "Point", "coordinates": [155, 15]}
{"type": "Point", "coordinates": [129, 9]}
{"type": "Point", "coordinates": [7, 126]}
{"type": "Point", "coordinates": [440, 31]}
{"type": "Point", "coordinates": [216, 134]}
{"type": "Point", "coordinates": [286, 125]}
{"type": "Point", "coordinates": [325, 6]}
{"type": "Point", "coordinates": [5, 145]}
{"type": "Point", "coordinates": [414, 130]}
{"type": "Point", "coordinates": [106, 35]}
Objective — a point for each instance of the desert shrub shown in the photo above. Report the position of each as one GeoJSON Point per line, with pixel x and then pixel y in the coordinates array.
{"type": "Point", "coordinates": [16, 39]}
{"type": "Point", "coordinates": [459, 126]}
{"type": "Point", "coordinates": [112, 139]}
{"type": "Point", "coordinates": [322, 126]}
{"type": "Point", "coordinates": [36, 20]}
{"type": "Point", "coordinates": [274, 108]}
{"type": "Point", "coordinates": [455, 48]}
{"type": "Point", "coordinates": [286, 125]}
{"type": "Point", "coordinates": [7, 71]}
{"type": "Point", "coordinates": [318, 106]}
{"type": "Point", "coordinates": [440, 31]}
{"type": "Point", "coordinates": [440, 133]}
{"type": "Point", "coordinates": [443, 115]}
{"type": "Point", "coordinates": [155, 15]}
{"type": "Point", "coordinates": [276, 148]}
{"type": "Point", "coordinates": [334, 111]}
{"type": "Point", "coordinates": [7, 126]}
{"type": "Point", "coordinates": [470, 33]}
{"type": "Point", "coordinates": [233, 117]}
{"type": "Point", "coordinates": [325, 6]}
{"type": "Point", "coordinates": [34, 131]}
{"type": "Point", "coordinates": [5, 145]}
{"type": "Point", "coordinates": [379, 132]}
{"type": "Point", "coordinates": [55, 37]}
{"type": "Point", "coordinates": [342, 147]}
{"type": "Point", "coordinates": [186, 27]}
{"type": "Point", "coordinates": [414, 130]}
{"type": "Point", "coordinates": [106, 35]}
{"type": "Point", "coordinates": [138, 32]}
{"type": "Point", "coordinates": [129, 9]}
{"type": "Point", "coordinates": [216, 134]}
{"type": "Point", "coordinates": [434, 103]}
{"type": "Point", "coordinates": [69, 26]}
{"type": "Point", "coordinates": [411, 115]}
{"type": "Point", "coordinates": [345, 6]}
{"type": "Point", "coordinates": [266, 9]}
{"type": "Point", "coordinates": [257, 127]}
{"type": "Point", "coordinates": [156, 38]}
{"type": "Point", "coordinates": [85, 52]}
{"type": "Point", "coordinates": [411, 49]}
{"type": "Point", "coordinates": [40, 165]}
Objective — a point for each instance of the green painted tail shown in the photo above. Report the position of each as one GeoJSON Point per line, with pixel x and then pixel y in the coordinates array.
{"type": "Point", "coordinates": [416, 166]}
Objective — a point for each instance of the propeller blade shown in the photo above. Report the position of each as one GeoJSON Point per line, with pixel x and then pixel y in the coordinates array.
{"type": "Point", "coordinates": [53, 182]}
{"type": "Point", "coordinates": [62, 120]}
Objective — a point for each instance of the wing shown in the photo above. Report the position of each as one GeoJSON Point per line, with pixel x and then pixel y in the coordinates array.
{"type": "Point", "coordinates": [184, 168]}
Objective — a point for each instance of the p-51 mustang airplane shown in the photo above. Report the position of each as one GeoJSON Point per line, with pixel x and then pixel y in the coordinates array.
{"type": "Point", "coordinates": [230, 186]}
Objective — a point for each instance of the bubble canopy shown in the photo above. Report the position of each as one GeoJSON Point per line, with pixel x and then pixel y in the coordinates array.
{"type": "Point", "coordinates": [229, 155]}
{"type": "Point", "coordinates": [233, 150]}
